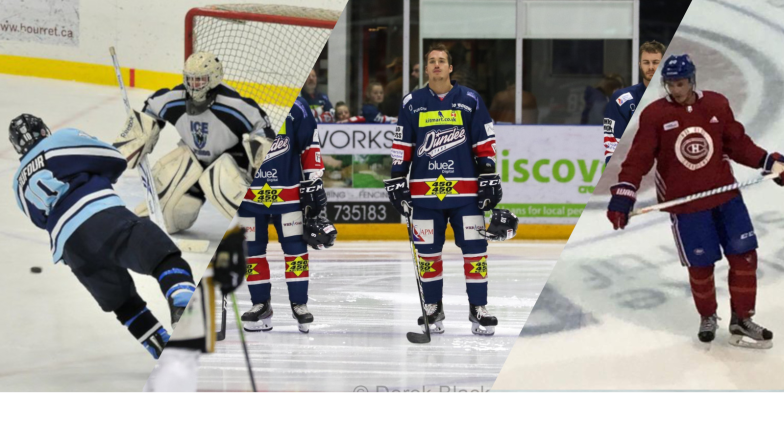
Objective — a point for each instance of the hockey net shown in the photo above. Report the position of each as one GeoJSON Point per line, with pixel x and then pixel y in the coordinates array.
{"type": "Point", "coordinates": [267, 51]}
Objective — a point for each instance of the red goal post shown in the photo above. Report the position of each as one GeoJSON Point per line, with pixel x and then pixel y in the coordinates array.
{"type": "Point", "coordinates": [267, 51]}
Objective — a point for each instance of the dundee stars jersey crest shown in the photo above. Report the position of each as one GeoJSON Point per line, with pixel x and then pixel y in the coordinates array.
{"type": "Point", "coordinates": [441, 142]}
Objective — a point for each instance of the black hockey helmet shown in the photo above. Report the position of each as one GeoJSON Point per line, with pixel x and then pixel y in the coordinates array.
{"type": "Point", "coordinates": [319, 233]}
{"type": "Point", "coordinates": [26, 131]}
{"type": "Point", "coordinates": [503, 226]}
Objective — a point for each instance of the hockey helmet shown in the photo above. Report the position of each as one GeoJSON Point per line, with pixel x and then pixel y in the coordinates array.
{"type": "Point", "coordinates": [677, 67]}
{"type": "Point", "coordinates": [26, 131]}
{"type": "Point", "coordinates": [202, 73]}
{"type": "Point", "coordinates": [503, 226]}
{"type": "Point", "coordinates": [319, 233]}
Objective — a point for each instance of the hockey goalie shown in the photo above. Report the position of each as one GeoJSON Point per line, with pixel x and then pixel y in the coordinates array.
{"type": "Point", "coordinates": [224, 137]}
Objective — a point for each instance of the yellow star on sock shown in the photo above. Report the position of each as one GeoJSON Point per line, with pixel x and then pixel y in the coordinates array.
{"type": "Point", "coordinates": [251, 270]}
{"type": "Point", "coordinates": [267, 195]}
{"type": "Point", "coordinates": [479, 267]}
{"type": "Point", "coordinates": [297, 266]}
{"type": "Point", "coordinates": [441, 187]}
{"type": "Point", "coordinates": [425, 266]}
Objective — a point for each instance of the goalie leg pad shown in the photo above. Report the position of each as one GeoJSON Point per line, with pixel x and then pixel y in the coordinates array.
{"type": "Point", "coordinates": [175, 174]}
{"type": "Point", "coordinates": [224, 184]}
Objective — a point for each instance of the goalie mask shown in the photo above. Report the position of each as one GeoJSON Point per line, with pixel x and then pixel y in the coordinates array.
{"type": "Point", "coordinates": [503, 226]}
{"type": "Point", "coordinates": [319, 233]}
{"type": "Point", "coordinates": [203, 72]}
{"type": "Point", "coordinates": [26, 131]}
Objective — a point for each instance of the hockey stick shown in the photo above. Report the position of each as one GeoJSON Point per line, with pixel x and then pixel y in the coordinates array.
{"type": "Point", "coordinates": [242, 339]}
{"type": "Point", "coordinates": [221, 335]}
{"type": "Point", "coordinates": [701, 195]}
{"type": "Point", "coordinates": [150, 195]}
{"type": "Point", "coordinates": [415, 337]}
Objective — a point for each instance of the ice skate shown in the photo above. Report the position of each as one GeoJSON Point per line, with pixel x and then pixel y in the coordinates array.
{"type": "Point", "coordinates": [482, 323]}
{"type": "Point", "coordinates": [435, 318]}
{"type": "Point", "coordinates": [303, 316]}
{"type": "Point", "coordinates": [156, 342]}
{"type": "Point", "coordinates": [258, 318]}
{"type": "Point", "coordinates": [747, 334]}
{"type": "Point", "coordinates": [708, 327]}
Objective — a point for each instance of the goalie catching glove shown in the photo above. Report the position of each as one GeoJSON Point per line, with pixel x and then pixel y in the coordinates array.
{"type": "Point", "coordinates": [138, 137]}
{"type": "Point", "coordinates": [256, 147]}
{"type": "Point", "coordinates": [503, 226]}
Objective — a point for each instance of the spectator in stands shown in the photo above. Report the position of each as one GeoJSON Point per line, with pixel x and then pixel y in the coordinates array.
{"type": "Point", "coordinates": [342, 112]}
{"type": "Point", "coordinates": [318, 102]}
{"type": "Point", "coordinates": [502, 107]}
{"type": "Point", "coordinates": [596, 98]}
{"type": "Point", "coordinates": [393, 92]}
{"type": "Point", "coordinates": [374, 96]}
{"type": "Point", "coordinates": [414, 82]}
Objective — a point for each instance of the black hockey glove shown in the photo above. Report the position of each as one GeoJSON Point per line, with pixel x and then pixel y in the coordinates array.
{"type": "Point", "coordinates": [774, 163]}
{"type": "Point", "coordinates": [229, 266]}
{"type": "Point", "coordinates": [489, 191]}
{"type": "Point", "coordinates": [312, 197]}
{"type": "Point", "coordinates": [621, 204]}
{"type": "Point", "coordinates": [399, 194]}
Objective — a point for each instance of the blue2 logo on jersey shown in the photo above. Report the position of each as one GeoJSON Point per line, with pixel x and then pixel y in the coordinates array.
{"type": "Point", "coordinates": [199, 130]}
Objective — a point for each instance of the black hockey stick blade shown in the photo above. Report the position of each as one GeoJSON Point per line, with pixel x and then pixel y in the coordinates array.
{"type": "Point", "coordinates": [222, 333]}
{"type": "Point", "coordinates": [415, 337]}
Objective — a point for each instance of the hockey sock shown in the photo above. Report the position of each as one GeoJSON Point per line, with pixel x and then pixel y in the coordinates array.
{"type": "Point", "coordinates": [297, 276]}
{"type": "Point", "coordinates": [140, 322]}
{"type": "Point", "coordinates": [475, 267]}
{"type": "Point", "coordinates": [257, 276]}
{"type": "Point", "coordinates": [743, 283]}
{"type": "Point", "coordinates": [431, 272]}
{"type": "Point", "coordinates": [703, 289]}
{"type": "Point", "coordinates": [175, 279]}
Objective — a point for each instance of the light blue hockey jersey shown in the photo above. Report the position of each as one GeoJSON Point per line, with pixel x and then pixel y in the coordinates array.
{"type": "Point", "coordinates": [66, 179]}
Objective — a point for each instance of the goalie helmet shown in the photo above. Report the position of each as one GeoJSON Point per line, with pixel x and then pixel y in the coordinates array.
{"type": "Point", "coordinates": [202, 73]}
{"type": "Point", "coordinates": [319, 233]}
{"type": "Point", "coordinates": [26, 131]}
{"type": "Point", "coordinates": [503, 226]}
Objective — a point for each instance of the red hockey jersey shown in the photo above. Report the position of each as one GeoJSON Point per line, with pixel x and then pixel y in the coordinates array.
{"type": "Point", "coordinates": [692, 146]}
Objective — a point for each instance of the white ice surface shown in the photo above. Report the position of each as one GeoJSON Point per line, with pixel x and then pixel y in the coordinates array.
{"type": "Point", "coordinates": [54, 335]}
{"type": "Point", "coordinates": [364, 298]}
{"type": "Point", "coordinates": [617, 312]}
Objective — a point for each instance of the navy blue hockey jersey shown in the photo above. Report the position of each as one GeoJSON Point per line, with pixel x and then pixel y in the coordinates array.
{"type": "Point", "coordinates": [216, 130]}
{"type": "Point", "coordinates": [294, 156]}
{"type": "Point", "coordinates": [65, 180]}
{"type": "Point", "coordinates": [320, 105]}
{"type": "Point", "coordinates": [617, 115]}
{"type": "Point", "coordinates": [441, 142]}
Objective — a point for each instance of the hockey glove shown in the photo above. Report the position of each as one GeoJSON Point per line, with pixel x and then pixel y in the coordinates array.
{"type": "Point", "coordinates": [229, 266]}
{"type": "Point", "coordinates": [489, 191]}
{"type": "Point", "coordinates": [399, 194]}
{"type": "Point", "coordinates": [774, 163]}
{"type": "Point", "coordinates": [312, 197]}
{"type": "Point", "coordinates": [139, 136]}
{"type": "Point", "coordinates": [621, 204]}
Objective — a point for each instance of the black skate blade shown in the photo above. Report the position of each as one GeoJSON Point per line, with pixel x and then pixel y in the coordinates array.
{"type": "Point", "coordinates": [415, 337]}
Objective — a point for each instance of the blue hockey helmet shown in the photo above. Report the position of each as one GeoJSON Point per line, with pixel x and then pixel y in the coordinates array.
{"type": "Point", "coordinates": [26, 131]}
{"type": "Point", "coordinates": [677, 67]}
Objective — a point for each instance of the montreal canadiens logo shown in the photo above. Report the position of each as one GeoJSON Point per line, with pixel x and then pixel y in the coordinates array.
{"type": "Point", "coordinates": [694, 148]}
{"type": "Point", "coordinates": [279, 147]}
{"type": "Point", "coordinates": [439, 141]}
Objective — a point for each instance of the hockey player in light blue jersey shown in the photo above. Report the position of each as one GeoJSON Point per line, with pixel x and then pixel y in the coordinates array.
{"type": "Point", "coordinates": [64, 185]}
{"type": "Point", "coordinates": [624, 102]}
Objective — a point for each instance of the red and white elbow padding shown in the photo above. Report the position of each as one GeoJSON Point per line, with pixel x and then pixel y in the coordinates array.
{"type": "Point", "coordinates": [258, 271]}
{"type": "Point", "coordinates": [431, 268]}
{"type": "Point", "coordinates": [475, 266]}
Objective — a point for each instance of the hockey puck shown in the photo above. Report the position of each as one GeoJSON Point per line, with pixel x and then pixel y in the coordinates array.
{"type": "Point", "coordinates": [35, 269]}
